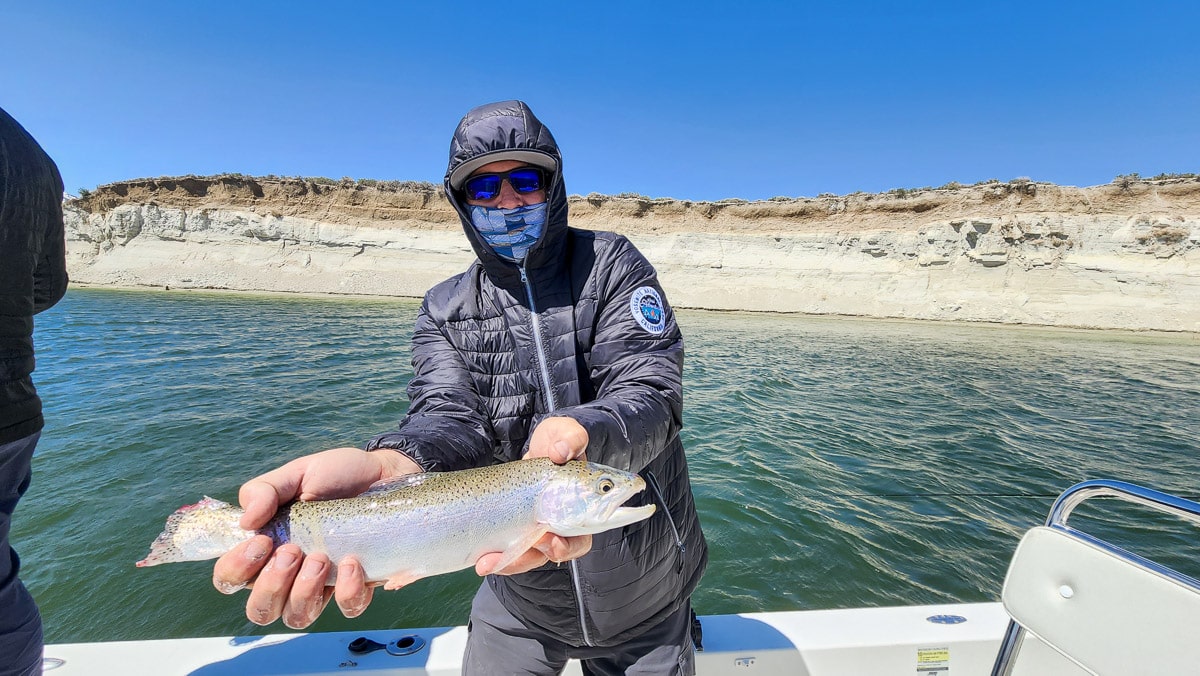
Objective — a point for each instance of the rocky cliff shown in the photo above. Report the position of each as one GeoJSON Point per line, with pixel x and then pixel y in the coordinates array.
{"type": "Point", "coordinates": [1120, 256]}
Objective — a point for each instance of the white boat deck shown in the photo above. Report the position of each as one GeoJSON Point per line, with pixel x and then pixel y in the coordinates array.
{"type": "Point", "coordinates": [897, 640]}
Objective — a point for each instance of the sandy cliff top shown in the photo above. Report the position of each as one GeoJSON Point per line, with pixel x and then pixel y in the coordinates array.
{"type": "Point", "coordinates": [365, 202]}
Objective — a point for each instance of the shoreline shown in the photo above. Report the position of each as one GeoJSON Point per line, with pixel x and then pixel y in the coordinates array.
{"type": "Point", "coordinates": [1183, 337]}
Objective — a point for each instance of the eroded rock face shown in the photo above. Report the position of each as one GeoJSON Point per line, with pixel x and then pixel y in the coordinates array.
{"type": "Point", "coordinates": [1115, 256]}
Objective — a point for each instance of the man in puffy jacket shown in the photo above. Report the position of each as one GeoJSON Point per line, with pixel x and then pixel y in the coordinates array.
{"type": "Point", "coordinates": [556, 342]}
{"type": "Point", "coordinates": [33, 277]}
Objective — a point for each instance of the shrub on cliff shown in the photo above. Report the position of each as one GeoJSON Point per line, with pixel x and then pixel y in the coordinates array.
{"type": "Point", "coordinates": [1126, 181]}
{"type": "Point", "coordinates": [1164, 235]}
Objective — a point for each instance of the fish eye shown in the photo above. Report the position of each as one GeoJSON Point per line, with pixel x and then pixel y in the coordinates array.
{"type": "Point", "coordinates": [606, 485]}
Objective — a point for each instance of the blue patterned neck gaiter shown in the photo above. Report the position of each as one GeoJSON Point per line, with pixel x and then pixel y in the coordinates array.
{"type": "Point", "coordinates": [510, 232]}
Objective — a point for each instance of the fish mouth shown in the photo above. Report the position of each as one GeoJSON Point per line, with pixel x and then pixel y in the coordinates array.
{"type": "Point", "coordinates": [623, 516]}
{"type": "Point", "coordinates": [618, 514]}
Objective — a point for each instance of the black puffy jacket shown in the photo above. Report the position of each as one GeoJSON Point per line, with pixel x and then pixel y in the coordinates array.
{"type": "Point", "coordinates": [33, 273]}
{"type": "Point", "coordinates": [581, 330]}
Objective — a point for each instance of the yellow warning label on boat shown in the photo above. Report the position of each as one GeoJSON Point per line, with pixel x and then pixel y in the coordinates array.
{"type": "Point", "coordinates": [932, 655]}
{"type": "Point", "coordinates": [933, 661]}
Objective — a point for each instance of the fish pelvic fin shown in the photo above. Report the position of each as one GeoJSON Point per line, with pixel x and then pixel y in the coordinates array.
{"type": "Point", "coordinates": [197, 532]}
{"type": "Point", "coordinates": [401, 579]}
{"type": "Point", "coordinates": [520, 547]}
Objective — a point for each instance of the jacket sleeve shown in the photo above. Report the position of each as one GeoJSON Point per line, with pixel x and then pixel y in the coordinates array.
{"type": "Point", "coordinates": [637, 365]}
{"type": "Point", "coordinates": [50, 272]}
{"type": "Point", "coordinates": [446, 427]}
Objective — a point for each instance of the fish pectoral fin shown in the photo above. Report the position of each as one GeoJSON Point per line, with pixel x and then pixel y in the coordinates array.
{"type": "Point", "coordinates": [401, 579]}
{"type": "Point", "coordinates": [519, 547]}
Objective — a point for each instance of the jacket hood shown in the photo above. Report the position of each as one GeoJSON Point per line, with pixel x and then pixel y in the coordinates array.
{"type": "Point", "coordinates": [508, 130]}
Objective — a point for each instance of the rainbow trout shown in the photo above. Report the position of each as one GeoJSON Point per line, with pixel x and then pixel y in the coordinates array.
{"type": "Point", "coordinates": [419, 525]}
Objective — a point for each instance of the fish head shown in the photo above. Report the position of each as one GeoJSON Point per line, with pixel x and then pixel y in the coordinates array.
{"type": "Point", "coordinates": [581, 498]}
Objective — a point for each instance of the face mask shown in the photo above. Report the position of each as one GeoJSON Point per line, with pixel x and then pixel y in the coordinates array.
{"type": "Point", "coordinates": [510, 232]}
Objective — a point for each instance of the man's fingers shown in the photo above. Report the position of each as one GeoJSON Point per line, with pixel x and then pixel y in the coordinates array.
{"type": "Point", "coordinates": [308, 596]}
{"type": "Point", "coordinates": [559, 438]}
{"type": "Point", "coordinates": [561, 452]}
{"type": "Point", "coordinates": [560, 549]}
{"type": "Point", "coordinates": [262, 495]}
{"type": "Point", "coordinates": [271, 589]}
{"type": "Point", "coordinates": [234, 570]}
{"type": "Point", "coordinates": [260, 499]}
{"type": "Point", "coordinates": [569, 439]}
{"type": "Point", "coordinates": [351, 591]}
{"type": "Point", "coordinates": [486, 564]}
{"type": "Point", "coordinates": [290, 586]}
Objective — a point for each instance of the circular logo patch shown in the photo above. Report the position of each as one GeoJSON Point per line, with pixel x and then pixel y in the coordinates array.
{"type": "Point", "coordinates": [648, 310]}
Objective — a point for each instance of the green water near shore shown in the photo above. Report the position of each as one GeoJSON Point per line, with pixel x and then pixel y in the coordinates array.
{"type": "Point", "coordinates": [837, 463]}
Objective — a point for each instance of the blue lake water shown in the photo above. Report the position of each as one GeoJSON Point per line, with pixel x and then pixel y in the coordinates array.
{"type": "Point", "coordinates": [836, 462]}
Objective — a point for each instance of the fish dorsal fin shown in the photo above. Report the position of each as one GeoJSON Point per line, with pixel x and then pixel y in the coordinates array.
{"type": "Point", "coordinates": [404, 481]}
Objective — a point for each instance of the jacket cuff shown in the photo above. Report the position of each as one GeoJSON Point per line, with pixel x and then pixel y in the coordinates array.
{"type": "Point", "coordinates": [381, 443]}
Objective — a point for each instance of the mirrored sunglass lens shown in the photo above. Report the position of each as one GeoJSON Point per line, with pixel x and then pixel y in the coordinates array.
{"type": "Point", "coordinates": [483, 187]}
{"type": "Point", "coordinates": [525, 180]}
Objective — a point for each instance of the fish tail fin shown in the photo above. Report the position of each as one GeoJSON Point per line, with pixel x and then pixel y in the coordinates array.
{"type": "Point", "coordinates": [197, 532]}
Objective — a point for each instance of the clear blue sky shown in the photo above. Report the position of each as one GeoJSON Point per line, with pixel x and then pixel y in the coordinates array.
{"type": "Point", "coordinates": [693, 100]}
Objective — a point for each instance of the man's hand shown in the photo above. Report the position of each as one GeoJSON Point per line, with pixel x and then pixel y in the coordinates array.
{"type": "Point", "coordinates": [286, 583]}
{"type": "Point", "coordinates": [560, 439]}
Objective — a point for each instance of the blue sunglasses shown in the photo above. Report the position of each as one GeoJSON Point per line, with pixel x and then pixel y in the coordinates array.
{"type": "Point", "coordinates": [524, 180]}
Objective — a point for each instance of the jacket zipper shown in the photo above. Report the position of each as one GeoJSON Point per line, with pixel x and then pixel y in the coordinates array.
{"type": "Point", "coordinates": [551, 405]}
{"type": "Point", "coordinates": [653, 481]}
